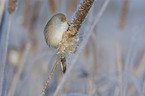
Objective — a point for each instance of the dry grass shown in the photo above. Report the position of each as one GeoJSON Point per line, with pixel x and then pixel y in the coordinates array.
{"type": "Point", "coordinates": [124, 13]}
{"type": "Point", "coordinates": [119, 67]}
{"type": "Point", "coordinates": [113, 64]}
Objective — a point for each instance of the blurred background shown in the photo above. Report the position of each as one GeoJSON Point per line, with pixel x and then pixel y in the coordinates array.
{"type": "Point", "coordinates": [110, 60]}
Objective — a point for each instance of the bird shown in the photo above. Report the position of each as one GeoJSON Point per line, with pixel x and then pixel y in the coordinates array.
{"type": "Point", "coordinates": [54, 30]}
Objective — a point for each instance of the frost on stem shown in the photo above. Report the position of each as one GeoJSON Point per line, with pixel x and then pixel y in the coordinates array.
{"type": "Point", "coordinates": [69, 41]}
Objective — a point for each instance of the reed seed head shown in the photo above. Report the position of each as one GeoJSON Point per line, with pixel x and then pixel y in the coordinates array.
{"type": "Point", "coordinates": [12, 6]}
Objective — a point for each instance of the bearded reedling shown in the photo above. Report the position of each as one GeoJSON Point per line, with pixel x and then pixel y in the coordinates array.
{"type": "Point", "coordinates": [53, 33]}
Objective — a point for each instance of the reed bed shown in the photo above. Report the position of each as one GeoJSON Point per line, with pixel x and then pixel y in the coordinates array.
{"type": "Point", "coordinates": [107, 61]}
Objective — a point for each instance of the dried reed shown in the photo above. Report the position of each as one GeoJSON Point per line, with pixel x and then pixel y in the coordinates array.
{"type": "Point", "coordinates": [50, 76]}
{"type": "Point", "coordinates": [26, 14]}
{"type": "Point", "coordinates": [52, 6]}
{"type": "Point", "coordinates": [35, 14]}
{"type": "Point", "coordinates": [94, 67]}
{"type": "Point", "coordinates": [124, 14]}
{"type": "Point", "coordinates": [87, 51]}
{"type": "Point", "coordinates": [119, 67]}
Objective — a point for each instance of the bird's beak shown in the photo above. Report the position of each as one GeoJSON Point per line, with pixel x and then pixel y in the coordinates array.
{"type": "Point", "coordinates": [65, 21]}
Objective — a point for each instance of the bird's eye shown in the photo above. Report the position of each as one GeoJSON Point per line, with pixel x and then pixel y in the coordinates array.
{"type": "Point", "coordinates": [62, 19]}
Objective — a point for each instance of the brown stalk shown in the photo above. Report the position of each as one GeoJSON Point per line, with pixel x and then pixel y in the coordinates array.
{"type": "Point", "coordinates": [95, 54]}
{"type": "Point", "coordinates": [124, 14]}
{"type": "Point", "coordinates": [119, 67]}
{"type": "Point", "coordinates": [30, 17]}
{"type": "Point", "coordinates": [87, 50]}
{"type": "Point", "coordinates": [80, 15]}
{"type": "Point", "coordinates": [50, 76]}
{"type": "Point", "coordinates": [52, 6]}
{"type": "Point", "coordinates": [26, 14]}
{"type": "Point", "coordinates": [35, 14]}
{"type": "Point", "coordinates": [34, 18]}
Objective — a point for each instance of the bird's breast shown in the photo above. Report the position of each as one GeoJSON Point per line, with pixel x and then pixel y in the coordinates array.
{"type": "Point", "coordinates": [57, 34]}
